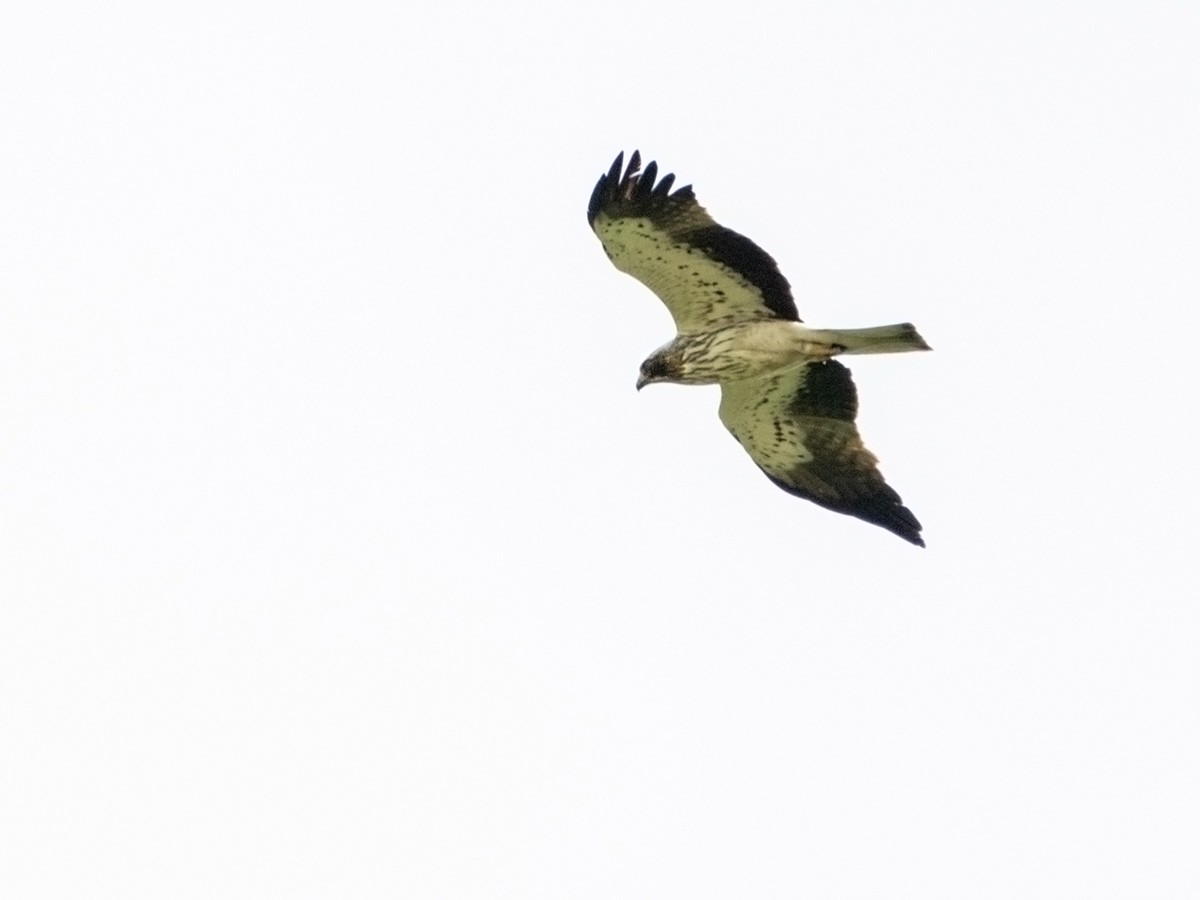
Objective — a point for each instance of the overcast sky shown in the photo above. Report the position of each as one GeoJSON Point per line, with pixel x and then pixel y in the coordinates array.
{"type": "Point", "coordinates": [340, 558]}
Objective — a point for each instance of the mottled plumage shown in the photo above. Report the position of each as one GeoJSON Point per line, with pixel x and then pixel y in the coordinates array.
{"type": "Point", "coordinates": [790, 405]}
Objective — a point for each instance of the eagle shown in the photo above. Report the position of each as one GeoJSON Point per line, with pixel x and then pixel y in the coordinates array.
{"type": "Point", "coordinates": [784, 397]}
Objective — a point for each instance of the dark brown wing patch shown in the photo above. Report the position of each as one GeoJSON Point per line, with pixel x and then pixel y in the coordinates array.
{"type": "Point", "coordinates": [827, 391]}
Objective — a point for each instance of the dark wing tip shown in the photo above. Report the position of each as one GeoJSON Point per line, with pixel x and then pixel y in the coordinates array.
{"type": "Point", "coordinates": [633, 192]}
{"type": "Point", "coordinates": [881, 507]}
{"type": "Point", "coordinates": [887, 511]}
{"type": "Point", "coordinates": [610, 183]}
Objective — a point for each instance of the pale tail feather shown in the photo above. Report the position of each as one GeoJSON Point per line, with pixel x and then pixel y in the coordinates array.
{"type": "Point", "coordinates": [880, 339]}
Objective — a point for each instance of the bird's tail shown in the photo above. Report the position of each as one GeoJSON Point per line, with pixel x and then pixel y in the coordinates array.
{"type": "Point", "coordinates": [880, 339]}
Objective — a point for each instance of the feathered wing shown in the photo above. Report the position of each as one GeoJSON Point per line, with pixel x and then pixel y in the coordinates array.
{"type": "Point", "coordinates": [706, 275]}
{"type": "Point", "coordinates": [798, 426]}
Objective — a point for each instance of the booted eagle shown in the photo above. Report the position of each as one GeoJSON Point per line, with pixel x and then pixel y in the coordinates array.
{"type": "Point", "coordinates": [783, 396]}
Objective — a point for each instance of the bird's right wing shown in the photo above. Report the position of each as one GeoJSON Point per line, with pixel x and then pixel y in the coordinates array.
{"type": "Point", "coordinates": [798, 426]}
{"type": "Point", "coordinates": [707, 275]}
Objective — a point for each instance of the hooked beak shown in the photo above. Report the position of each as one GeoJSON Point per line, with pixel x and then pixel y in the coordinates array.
{"type": "Point", "coordinates": [642, 382]}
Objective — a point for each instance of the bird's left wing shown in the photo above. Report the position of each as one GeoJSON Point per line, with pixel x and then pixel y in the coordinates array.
{"type": "Point", "coordinates": [706, 274]}
{"type": "Point", "coordinates": [798, 426]}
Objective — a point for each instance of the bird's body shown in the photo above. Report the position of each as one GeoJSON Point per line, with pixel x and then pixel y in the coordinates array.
{"type": "Point", "coordinates": [783, 396]}
{"type": "Point", "coordinates": [766, 346]}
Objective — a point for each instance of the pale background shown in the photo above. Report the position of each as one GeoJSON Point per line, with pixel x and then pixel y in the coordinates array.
{"type": "Point", "coordinates": [339, 557]}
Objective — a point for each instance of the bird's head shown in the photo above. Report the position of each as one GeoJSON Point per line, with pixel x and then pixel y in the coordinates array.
{"type": "Point", "coordinates": [662, 365]}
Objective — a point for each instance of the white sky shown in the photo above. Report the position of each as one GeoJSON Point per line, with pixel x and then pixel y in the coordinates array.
{"type": "Point", "coordinates": [339, 557]}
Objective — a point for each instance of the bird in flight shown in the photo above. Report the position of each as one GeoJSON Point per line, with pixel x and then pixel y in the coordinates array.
{"type": "Point", "coordinates": [788, 402]}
